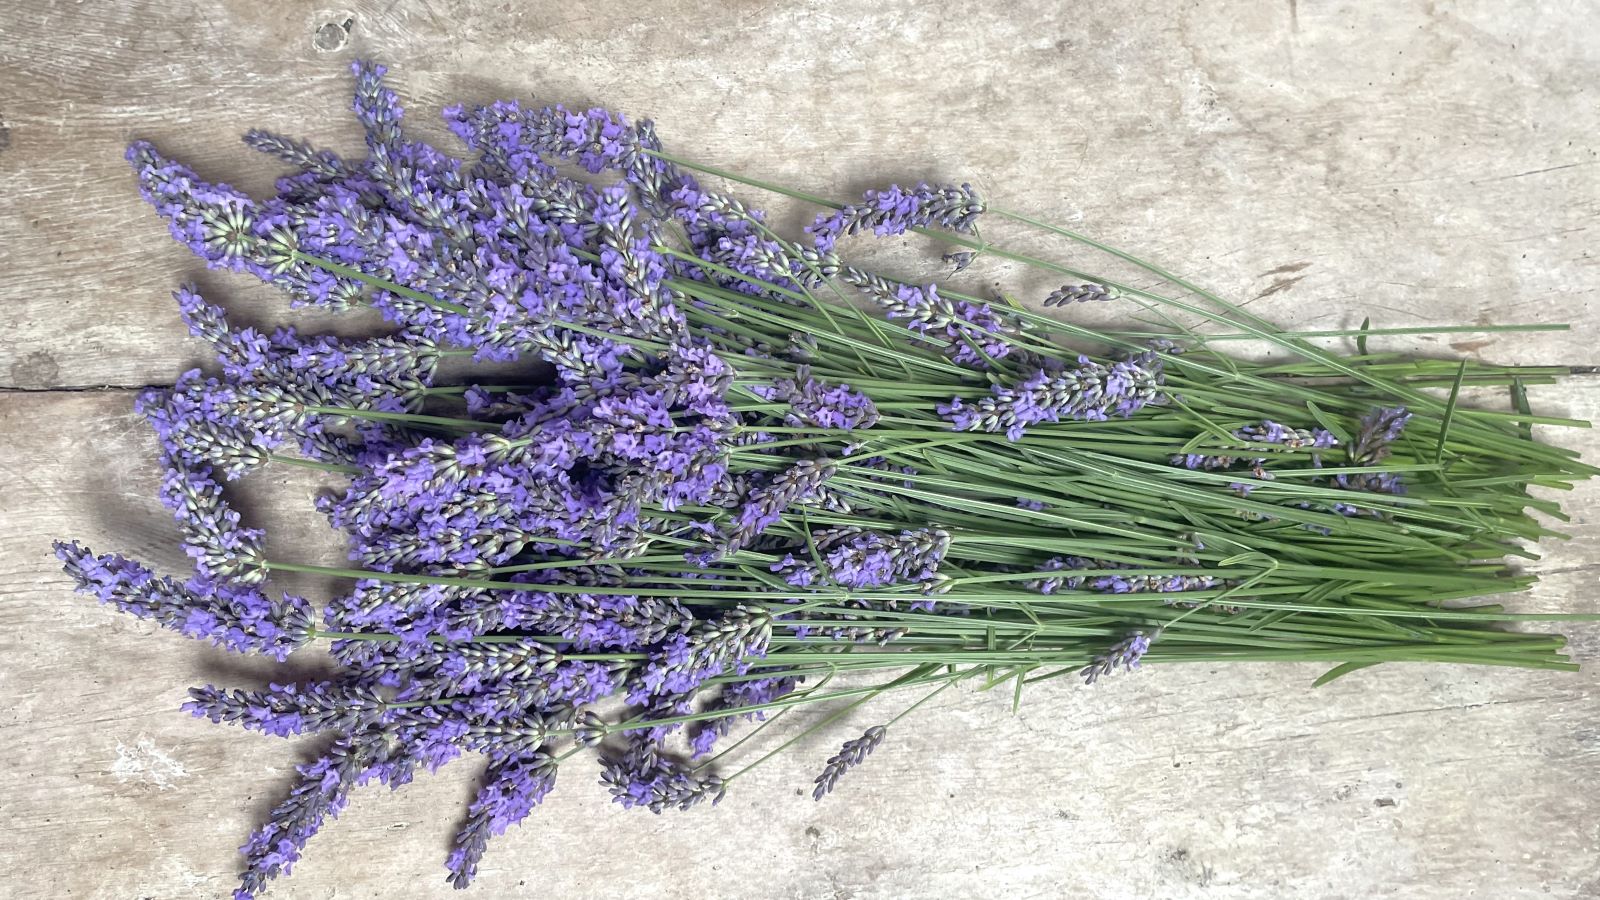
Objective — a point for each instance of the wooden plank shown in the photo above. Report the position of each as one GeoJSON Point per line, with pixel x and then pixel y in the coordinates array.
{"type": "Point", "coordinates": [1233, 781]}
{"type": "Point", "coordinates": [1425, 165]}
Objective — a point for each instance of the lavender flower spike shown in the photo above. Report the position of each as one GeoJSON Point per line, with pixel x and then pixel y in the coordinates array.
{"type": "Point", "coordinates": [642, 776]}
{"type": "Point", "coordinates": [966, 328]}
{"type": "Point", "coordinates": [1079, 293]}
{"type": "Point", "coordinates": [323, 790]}
{"type": "Point", "coordinates": [800, 483]}
{"type": "Point", "coordinates": [1379, 429]}
{"type": "Point", "coordinates": [235, 616]}
{"type": "Point", "coordinates": [1125, 654]}
{"type": "Point", "coordinates": [896, 210]}
{"type": "Point", "coordinates": [287, 709]}
{"type": "Point", "coordinates": [819, 404]}
{"type": "Point", "coordinates": [852, 754]}
{"type": "Point", "coordinates": [511, 790]}
{"type": "Point", "coordinates": [1091, 392]}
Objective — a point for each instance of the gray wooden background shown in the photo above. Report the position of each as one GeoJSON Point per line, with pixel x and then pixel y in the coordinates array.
{"type": "Point", "coordinates": [1412, 161]}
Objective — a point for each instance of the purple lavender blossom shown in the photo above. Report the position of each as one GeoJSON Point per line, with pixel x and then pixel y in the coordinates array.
{"type": "Point", "coordinates": [231, 615]}
{"type": "Point", "coordinates": [1091, 392]}
{"type": "Point", "coordinates": [299, 154]}
{"type": "Point", "coordinates": [511, 789]}
{"type": "Point", "coordinates": [959, 260]}
{"type": "Point", "coordinates": [1379, 429]}
{"type": "Point", "coordinates": [821, 405]}
{"type": "Point", "coordinates": [852, 754]}
{"type": "Point", "coordinates": [896, 210]}
{"type": "Point", "coordinates": [644, 776]}
{"type": "Point", "coordinates": [713, 647]}
{"type": "Point", "coordinates": [855, 558]}
{"type": "Point", "coordinates": [1267, 432]}
{"type": "Point", "coordinates": [744, 700]}
{"type": "Point", "coordinates": [799, 483]}
{"type": "Point", "coordinates": [289, 709]}
{"type": "Point", "coordinates": [322, 792]}
{"type": "Point", "coordinates": [972, 334]}
{"type": "Point", "coordinates": [1125, 654]}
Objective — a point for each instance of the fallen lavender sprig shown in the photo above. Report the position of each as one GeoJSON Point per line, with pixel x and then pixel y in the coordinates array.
{"type": "Point", "coordinates": [852, 754]}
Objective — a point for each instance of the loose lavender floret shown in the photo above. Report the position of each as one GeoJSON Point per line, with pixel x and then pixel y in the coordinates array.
{"type": "Point", "coordinates": [852, 754]}
{"type": "Point", "coordinates": [959, 260]}
{"type": "Point", "coordinates": [1125, 654]}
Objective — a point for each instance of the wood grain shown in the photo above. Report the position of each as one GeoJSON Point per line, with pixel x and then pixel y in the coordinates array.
{"type": "Point", "coordinates": [1414, 162]}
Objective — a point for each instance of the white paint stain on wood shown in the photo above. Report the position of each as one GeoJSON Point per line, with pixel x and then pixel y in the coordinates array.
{"type": "Point", "coordinates": [143, 764]}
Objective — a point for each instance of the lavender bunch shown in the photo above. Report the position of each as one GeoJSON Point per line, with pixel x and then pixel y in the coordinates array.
{"type": "Point", "coordinates": [719, 479]}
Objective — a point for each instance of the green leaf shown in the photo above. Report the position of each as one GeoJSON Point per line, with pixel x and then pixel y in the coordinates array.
{"type": "Point", "coordinates": [1449, 414]}
{"type": "Point", "coordinates": [1340, 671]}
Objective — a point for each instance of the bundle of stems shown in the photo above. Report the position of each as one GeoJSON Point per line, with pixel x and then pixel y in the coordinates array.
{"type": "Point", "coordinates": [1295, 580]}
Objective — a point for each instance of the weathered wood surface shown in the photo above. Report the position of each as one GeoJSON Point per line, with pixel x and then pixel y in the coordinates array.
{"type": "Point", "coordinates": [1411, 162]}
